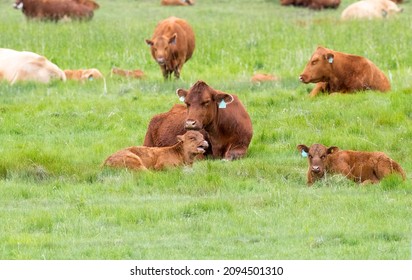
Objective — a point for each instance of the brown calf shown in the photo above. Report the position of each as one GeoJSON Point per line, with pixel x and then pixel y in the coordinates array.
{"type": "Point", "coordinates": [184, 152]}
{"type": "Point", "coordinates": [137, 74]}
{"type": "Point", "coordinates": [177, 2]}
{"type": "Point", "coordinates": [83, 74]}
{"type": "Point", "coordinates": [361, 167]}
{"type": "Point", "coordinates": [172, 44]}
{"type": "Point", "coordinates": [334, 71]}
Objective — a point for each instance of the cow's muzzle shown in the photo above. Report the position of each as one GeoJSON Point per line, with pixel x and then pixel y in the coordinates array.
{"type": "Point", "coordinates": [316, 169]}
{"type": "Point", "coordinates": [191, 125]}
{"type": "Point", "coordinates": [202, 147]}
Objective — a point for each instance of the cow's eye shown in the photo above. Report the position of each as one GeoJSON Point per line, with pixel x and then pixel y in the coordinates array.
{"type": "Point", "coordinates": [310, 156]}
{"type": "Point", "coordinates": [323, 157]}
{"type": "Point", "coordinates": [314, 62]}
{"type": "Point", "coordinates": [205, 104]}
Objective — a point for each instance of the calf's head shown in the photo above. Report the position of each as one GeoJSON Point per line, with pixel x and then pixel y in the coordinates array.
{"type": "Point", "coordinates": [203, 103]}
{"type": "Point", "coordinates": [193, 142]}
{"type": "Point", "coordinates": [161, 48]}
{"type": "Point", "coordinates": [319, 67]}
{"type": "Point", "coordinates": [317, 155]}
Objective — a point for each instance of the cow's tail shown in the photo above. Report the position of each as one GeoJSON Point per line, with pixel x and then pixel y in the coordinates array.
{"type": "Point", "coordinates": [396, 168]}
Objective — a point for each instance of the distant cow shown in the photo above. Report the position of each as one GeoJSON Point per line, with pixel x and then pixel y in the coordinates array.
{"type": "Point", "coordinates": [56, 10]}
{"type": "Point", "coordinates": [361, 167]}
{"type": "Point", "coordinates": [172, 44]}
{"type": "Point", "coordinates": [222, 116]}
{"type": "Point", "coordinates": [260, 77]}
{"type": "Point", "coordinates": [312, 4]}
{"type": "Point", "coordinates": [137, 74]}
{"type": "Point", "coordinates": [177, 2]}
{"type": "Point", "coordinates": [83, 74]}
{"type": "Point", "coordinates": [370, 9]}
{"type": "Point", "coordinates": [184, 152]}
{"type": "Point", "coordinates": [334, 71]}
{"type": "Point", "coordinates": [27, 66]}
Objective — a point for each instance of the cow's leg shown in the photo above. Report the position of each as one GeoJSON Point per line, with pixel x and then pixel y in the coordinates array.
{"type": "Point", "coordinates": [235, 153]}
{"type": "Point", "coordinates": [125, 159]}
{"type": "Point", "coordinates": [319, 87]}
{"type": "Point", "coordinates": [165, 72]}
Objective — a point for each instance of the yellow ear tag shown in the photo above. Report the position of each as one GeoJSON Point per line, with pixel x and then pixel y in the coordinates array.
{"type": "Point", "coordinates": [222, 104]}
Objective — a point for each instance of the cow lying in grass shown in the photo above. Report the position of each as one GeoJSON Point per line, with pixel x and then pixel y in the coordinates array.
{"type": "Point", "coordinates": [184, 152]}
{"type": "Point", "coordinates": [83, 74]}
{"type": "Point", "coordinates": [137, 74]}
{"type": "Point", "coordinates": [361, 167]}
{"type": "Point", "coordinates": [177, 2]}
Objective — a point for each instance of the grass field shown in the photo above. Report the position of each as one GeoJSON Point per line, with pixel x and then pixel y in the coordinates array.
{"type": "Point", "coordinates": [57, 203]}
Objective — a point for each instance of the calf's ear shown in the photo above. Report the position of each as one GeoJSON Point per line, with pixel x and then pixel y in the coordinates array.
{"type": "Point", "coordinates": [303, 149]}
{"type": "Point", "coordinates": [329, 57]}
{"type": "Point", "coordinates": [180, 138]}
{"type": "Point", "coordinates": [149, 42]}
{"type": "Point", "coordinates": [182, 94]}
{"type": "Point", "coordinates": [332, 150]}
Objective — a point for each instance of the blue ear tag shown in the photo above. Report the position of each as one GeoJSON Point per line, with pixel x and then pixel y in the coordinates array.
{"type": "Point", "coordinates": [304, 154]}
{"type": "Point", "coordinates": [182, 98]}
{"type": "Point", "coordinates": [222, 104]}
{"type": "Point", "coordinates": [330, 60]}
{"type": "Point", "coordinates": [91, 78]}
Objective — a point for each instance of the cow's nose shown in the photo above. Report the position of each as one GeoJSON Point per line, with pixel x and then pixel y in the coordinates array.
{"type": "Point", "coordinates": [160, 60]}
{"type": "Point", "coordinates": [301, 78]}
{"type": "Point", "coordinates": [315, 169]}
{"type": "Point", "coordinates": [190, 124]}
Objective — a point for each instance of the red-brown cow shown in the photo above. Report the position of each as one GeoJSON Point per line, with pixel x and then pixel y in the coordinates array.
{"type": "Point", "coordinates": [312, 4]}
{"type": "Point", "coordinates": [361, 167]}
{"type": "Point", "coordinates": [334, 71]}
{"type": "Point", "coordinates": [172, 44]}
{"type": "Point", "coordinates": [137, 74]}
{"type": "Point", "coordinates": [83, 74]}
{"type": "Point", "coordinates": [56, 10]}
{"type": "Point", "coordinates": [184, 152]}
{"type": "Point", "coordinates": [177, 2]}
{"type": "Point", "coordinates": [222, 116]}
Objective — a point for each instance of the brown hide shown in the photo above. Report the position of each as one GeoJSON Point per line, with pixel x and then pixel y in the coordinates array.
{"type": "Point", "coordinates": [137, 74]}
{"type": "Point", "coordinates": [83, 74]}
{"type": "Point", "coordinates": [188, 147]}
{"type": "Point", "coordinates": [312, 4]}
{"type": "Point", "coordinates": [172, 44]}
{"type": "Point", "coordinates": [334, 71]}
{"type": "Point", "coordinates": [361, 167]}
{"type": "Point", "coordinates": [177, 2]}
{"type": "Point", "coordinates": [58, 9]}
{"type": "Point", "coordinates": [229, 129]}
{"type": "Point", "coordinates": [260, 77]}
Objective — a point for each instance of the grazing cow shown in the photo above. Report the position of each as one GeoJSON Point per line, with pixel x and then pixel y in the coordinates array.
{"type": "Point", "coordinates": [177, 2]}
{"type": "Point", "coordinates": [27, 66]}
{"type": "Point", "coordinates": [137, 74]}
{"type": "Point", "coordinates": [172, 44]}
{"type": "Point", "coordinates": [334, 71]}
{"type": "Point", "coordinates": [56, 10]}
{"type": "Point", "coordinates": [83, 74]}
{"type": "Point", "coordinates": [258, 78]}
{"type": "Point", "coordinates": [184, 152]}
{"type": "Point", "coordinates": [222, 116]}
{"type": "Point", "coordinates": [312, 4]}
{"type": "Point", "coordinates": [361, 167]}
{"type": "Point", "coordinates": [370, 9]}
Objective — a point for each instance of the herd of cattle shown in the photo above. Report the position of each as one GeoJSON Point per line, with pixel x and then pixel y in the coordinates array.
{"type": "Point", "coordinates": [214, 123]}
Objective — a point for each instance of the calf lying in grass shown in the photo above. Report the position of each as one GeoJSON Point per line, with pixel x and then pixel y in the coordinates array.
{"type": "Point", "coordinates": [189, 146]}
{"type": "Point", "coordinates": [361, 167]}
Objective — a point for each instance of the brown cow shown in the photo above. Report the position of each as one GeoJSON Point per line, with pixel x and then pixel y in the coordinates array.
{"type": "Point", "coordinates": [172, 44]}
{"type": "Point", "coordinates": [260, 77]}
{"type": "Point", "coordinates": [312, 4]}
{"type": "Point", "coordinates": [137, 74]}
{"type": "Point", "coordinates": [177, 2]}
{"type": "Point", "coordinates": [27, 66]}
{"type": "Point", "coordinates": [56, 10]}
{"type": "Point", "coordinates": [184, 152]}
{"type": "Point", "coordinates": [83, 74]}
{"type": "Point", "coordinates": [334, 71]}
{"type": "Point", "coordinates": [222, 116]}
{"type": "Point", "coordinates": [361, 167]}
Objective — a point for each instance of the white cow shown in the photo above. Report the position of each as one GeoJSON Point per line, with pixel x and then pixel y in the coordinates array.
{"type": "Point", "coordinates": [27, 66]}
{"type": "Point", "coordinates": [370, 9]}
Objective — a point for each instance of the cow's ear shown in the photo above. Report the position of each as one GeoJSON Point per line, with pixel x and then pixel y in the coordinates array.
{"type": "Point", "coordinates": [329, 57]}
{"type": "Point", "coordinates": [302, 147]}
{"type": "Point", "coordinates": [149, 42]}
{"type": "Point", "coordinates": [332, 150]}
{"type": "Point", "coordinates": [227, 98]}
{"type": "Point", "coordinates": [172, 40]}
{"type": "Point", "coordinates": [182, 94]}
{"type": "Point", "coordinates": [180, 138]}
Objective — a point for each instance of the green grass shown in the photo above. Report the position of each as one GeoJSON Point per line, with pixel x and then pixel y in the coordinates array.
{"type": "Point", "coordinates": [57, 202]}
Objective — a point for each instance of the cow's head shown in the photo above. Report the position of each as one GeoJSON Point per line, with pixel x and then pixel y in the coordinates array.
{"type": "Point", "coordinates": [18, 4]}
{"type": "Point", "coordinates": [317, 156]}
{"type": "Point", "coordinates": [193, 143]}
{"type": "Point", "coordinates": [319, 67]}
{"type": "Point", "coordinates": [160, 48]}
{"type": "Point", "coordinates": [202, 103]}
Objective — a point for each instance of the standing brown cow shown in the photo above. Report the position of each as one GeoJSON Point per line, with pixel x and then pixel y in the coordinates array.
{"type": "Point", "coordinates": [361, 167]}
{"type": "Point", "coordinates": [334, 71]}
{"type": "Point", "coordinates": [172, 44]}
{"type": "Point", "coordinates": [222, 116]}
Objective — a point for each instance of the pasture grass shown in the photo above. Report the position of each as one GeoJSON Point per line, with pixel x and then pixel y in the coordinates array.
{"type": "Point", "coordinates": [57, 202]}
